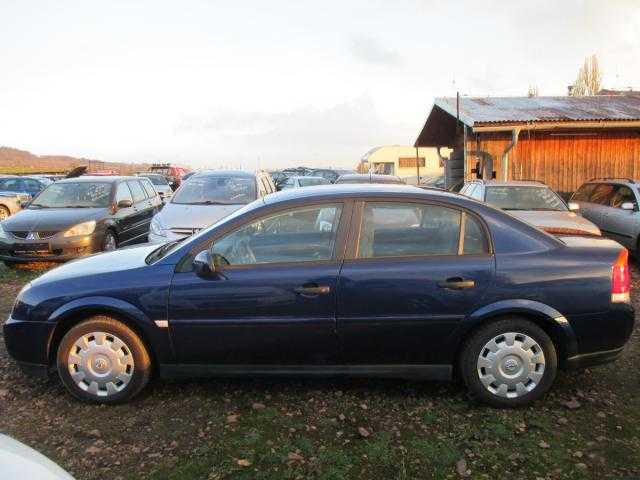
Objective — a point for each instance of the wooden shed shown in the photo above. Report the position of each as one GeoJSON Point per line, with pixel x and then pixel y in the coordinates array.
{"type": "Point", "coordinates": [561, 141]}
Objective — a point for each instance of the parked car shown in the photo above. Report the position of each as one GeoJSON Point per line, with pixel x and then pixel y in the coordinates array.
{"type": "Point", "coordinates": [299, 182]}
{"type": "Point", "coordinates": [329, 173]}
{"type": "Point", "coordinates": [207, 197]}
{"type": "Point", "coordinates": [18, 462]}
{"type": "Point", "coordinates": [79, 216]}
{"type": "Point", "coordinates": [160, 184]}
{"type": "Point", "coordinates": [173, 173]}
{"type": "Point", "coordinates": [30, 186]}
{"type": "Point", "coordinates": [533, 202]}
{"type": "Point", "coordinates": [369, 178]}
{"type": "Point", "coordinates": [370, 280]}
{"type": "Point", "coordinates": [612, 204]}
{"type": "Point", "coordinates": [11, 203]}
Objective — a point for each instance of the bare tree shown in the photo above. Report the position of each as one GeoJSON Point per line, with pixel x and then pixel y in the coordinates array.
{"type": "Point", "coordinates": [533, 91]}
{"type": "Point", "coordinates": [589, 81]}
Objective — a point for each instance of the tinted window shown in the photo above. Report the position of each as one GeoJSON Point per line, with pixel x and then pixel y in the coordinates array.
{"type": "Point", "coordinates": [74, 195]}
{"type": "Point", "coordinates": [137, 191]}
{"type": "Point", "coordinates": [123, 192]}
{"type": "Point", "coordinates": [524, 198]}
{"type": "Point", "coordinates": [623, 194]}
{"type": "Point", "coordinates": [583, 193]}
{"type": "Point", "coordinates": [396, 229]}
{"type": "Point", "coordinates": [601, 194]}
{"type": "Point", "coordinates": [475, 241]}
{"type": "Point", "coordinates": [217, 190]}
{"type": "Point", "coordinates": [310, 181]}
{"type": "Point", "coordinates": [300, 235]}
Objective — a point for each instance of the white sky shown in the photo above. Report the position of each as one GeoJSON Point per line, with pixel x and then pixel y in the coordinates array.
{"type": "Point", "coordinates": [277, 83]}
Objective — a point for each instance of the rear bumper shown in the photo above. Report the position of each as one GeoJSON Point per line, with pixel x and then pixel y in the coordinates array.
{"type": "Point", "coordinates": [28, 342]}
{"type": "Point", "coordinates": [592, 359]}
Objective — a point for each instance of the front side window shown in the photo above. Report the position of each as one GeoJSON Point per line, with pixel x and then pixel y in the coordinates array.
{"type": "Point", "coordinates": [583, 193]}
{"type": "Point", "coordinates": [137, 191]}
{"type": "Point", "coordinates": [123, 193]}
{"type": "Point", "coordinates": [74, 195]}
{"type": "Point", "coordinates": [524, 198]}
{"type": "Point", "coordinates": [300, 235]}
{"type": "Point", "coordinates": [411, 229]}
{"type": "Point", "coordinates": [622, 195]}
{"type": "Point", "coordinates": [151, 192]}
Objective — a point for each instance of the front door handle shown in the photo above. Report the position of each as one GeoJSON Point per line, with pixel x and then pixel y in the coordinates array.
{"type": "Point", "coordinates": [457, 283]}
{"type": "Point", "coordinates": [312, 290]}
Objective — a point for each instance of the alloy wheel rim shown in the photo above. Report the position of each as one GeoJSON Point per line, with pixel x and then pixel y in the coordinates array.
{"type": "Point", "coordinates": [109, 243]}
{"type": "Point", "coordinates": [511, 365]}
{"type": "Point", "coordinates": [100, 364]}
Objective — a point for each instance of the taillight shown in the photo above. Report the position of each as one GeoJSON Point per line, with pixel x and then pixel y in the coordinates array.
{"type": "Point", "coordinates": [620, 278]}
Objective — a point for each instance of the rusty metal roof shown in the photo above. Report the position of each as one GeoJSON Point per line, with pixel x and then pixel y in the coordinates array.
{"type": "Point", "coordinates": [505, 110]}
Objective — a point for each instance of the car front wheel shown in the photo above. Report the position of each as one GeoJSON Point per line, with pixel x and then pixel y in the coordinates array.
{"type": "Point", "coordinates": [102, 360]}
{"type": "Point", "coordinates": [509, 363]}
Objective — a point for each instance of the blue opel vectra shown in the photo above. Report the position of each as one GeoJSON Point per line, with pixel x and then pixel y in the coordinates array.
{"type": "Point", "coordinates": [360, 280]}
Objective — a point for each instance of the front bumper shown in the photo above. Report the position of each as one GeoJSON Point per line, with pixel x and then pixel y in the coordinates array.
{"type": "Point", "coordinates": [28, 342]}
{"type": "Point", "coordinates": [54, 249]}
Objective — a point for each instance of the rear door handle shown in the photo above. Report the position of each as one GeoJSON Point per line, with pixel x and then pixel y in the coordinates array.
{"type": "Point", "coordinates": [457, 283]}
{"type": "Point", "coordinates": [312, 290]}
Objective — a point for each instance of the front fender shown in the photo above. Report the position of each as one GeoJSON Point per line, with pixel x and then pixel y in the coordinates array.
{"type": "Point", "coordinates": [155, 338]}
{"type": "Point", "coordinates": [548, 316]}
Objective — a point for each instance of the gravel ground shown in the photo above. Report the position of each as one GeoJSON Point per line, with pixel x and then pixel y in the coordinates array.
{"type": "Point", "coordinates": [587, 427]}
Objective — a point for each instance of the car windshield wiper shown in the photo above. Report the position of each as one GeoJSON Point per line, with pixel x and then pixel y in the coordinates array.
{"type": "Point", "coordinates": [208, 202]}
{"type": "Point", "coordinates": [39, 205]}
{"type": "Point", "coordinates": [77, 206]}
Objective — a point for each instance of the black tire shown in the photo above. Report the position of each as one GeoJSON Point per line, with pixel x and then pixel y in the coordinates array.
{"type": "Point", "coordinates": [474, 346]}
{"type": "Point", "coordinates": [109, 236]}
{"type": "Point", "coordinates": [140, 372]}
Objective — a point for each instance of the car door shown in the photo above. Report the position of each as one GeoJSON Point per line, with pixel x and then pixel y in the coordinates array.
{"type": "Point", "coordinates": [274, 301]}
{"type": "Point", "coordinates": [413, 273]}
{"type": "Point", "coordinates": [620, 224]}
{"type": "Point", "coordinates": [597, 204]}
{"type": "Point", "coordinates": [124, 217]}
{"type": "Point", "coordinates": [141, 214]}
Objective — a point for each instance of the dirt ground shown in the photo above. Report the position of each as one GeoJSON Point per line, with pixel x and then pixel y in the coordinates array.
{"type": "Point", "coordinates": [587, 427]}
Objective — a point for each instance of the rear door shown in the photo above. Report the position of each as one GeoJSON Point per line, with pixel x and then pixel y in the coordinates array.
{"type": "Point", "coordinates": [124, 218]}
{"type": "Point", "coordinates": [414, 271]}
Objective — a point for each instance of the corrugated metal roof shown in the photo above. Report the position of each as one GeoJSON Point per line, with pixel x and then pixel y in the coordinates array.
{"type": "Point", "coordinates": [491, 110]}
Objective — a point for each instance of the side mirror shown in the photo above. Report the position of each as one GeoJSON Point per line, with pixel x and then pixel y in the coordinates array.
{"type": "Point", "coordinates": [573, 206]}
{"type": "Point", "coordinates": [628, 206]}
{"type": "Point", "coordinates": [125, 203]}
{"type": "Point", "coordinates": [203, 264]}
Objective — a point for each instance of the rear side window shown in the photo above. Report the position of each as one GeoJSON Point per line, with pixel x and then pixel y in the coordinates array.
{"type": "Point", "coordinates": [601, 194]}
{"type": "Point", "coordinates": [136, 191]}
{"type": "Point", "coordinates": [583, 193]}
{"type": "Point", "coordinates": [475, 241]}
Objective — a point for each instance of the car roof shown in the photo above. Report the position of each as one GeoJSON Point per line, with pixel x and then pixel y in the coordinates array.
{"type": "Point", "coordinates": [511, 183]}
{"type": "Point", "coordinates": [97, 178]}
{"type": "Point", "coordinates": [224, 173]}
{"type": "Point", "coordinates": [371, 177]}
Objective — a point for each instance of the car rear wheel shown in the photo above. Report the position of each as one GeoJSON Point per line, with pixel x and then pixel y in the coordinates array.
{"type": "Point", "coordinates": [4, 213]}
{"type": "Point", "coordinates": [509, 363]}
{"type": "Point", "coordinates": [102, 360]}
{"type": "Point", "coordinates": [109, 242]}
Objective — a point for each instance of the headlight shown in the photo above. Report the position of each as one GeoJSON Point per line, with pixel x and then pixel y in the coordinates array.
{"type": "Point", "coordinates": [85, 228]}
{"type": "Point", "coordinates": [157, 228]}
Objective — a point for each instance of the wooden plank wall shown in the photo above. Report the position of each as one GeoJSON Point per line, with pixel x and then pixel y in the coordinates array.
{"type": "Point", "coordinates": [562, 160]}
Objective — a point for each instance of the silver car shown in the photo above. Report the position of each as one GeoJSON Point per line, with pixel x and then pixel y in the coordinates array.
{"type": "Point", "coordinates": [612, 204]}
{"type": "Point", "coordinates": [208, 196]}
{"type": "Point", "coordinates": [11, 202]}
{"type": "Point", "coordinates": [533, 202]}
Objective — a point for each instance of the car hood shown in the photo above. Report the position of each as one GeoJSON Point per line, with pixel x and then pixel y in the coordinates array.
{"type": "Point", "coordinates": [176, 215]}
{"type": "Point", "coordinates": [51, 219]}
{"type": "Point", "coordinates": [110, 262]}
{"type": "Point", "coordinates": [557, 222]}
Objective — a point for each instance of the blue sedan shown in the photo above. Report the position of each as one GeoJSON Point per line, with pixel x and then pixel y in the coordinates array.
{"type": "Point", "coordinates": [359, 280]}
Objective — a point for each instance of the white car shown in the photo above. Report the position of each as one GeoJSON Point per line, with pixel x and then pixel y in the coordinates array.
{"type": "Point", "coordinates": [160, 184]}
{"type": "Point", "coordinates": [19, 462]}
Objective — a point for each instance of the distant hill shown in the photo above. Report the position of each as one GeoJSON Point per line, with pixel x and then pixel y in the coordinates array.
{"type": "Point", "coordinates": [14, 161]}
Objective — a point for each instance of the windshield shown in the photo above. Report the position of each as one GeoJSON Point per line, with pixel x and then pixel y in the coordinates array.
{"type": "Point", "coordinates": [74, 195]}
{"type": "Point", "coordinates": [156, 179]}
{"type": "Point", "coordinates": [216, 190]}
{"type": "Point", "coordinates": [307, 182]}
{"type": "Point", "coordinates": [524, 198]}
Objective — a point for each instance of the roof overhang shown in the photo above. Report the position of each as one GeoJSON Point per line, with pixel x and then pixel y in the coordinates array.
{"type": "Point", "coordinates": [502, 127]}
{"type": "Point", "coordinates": [439, 129]}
